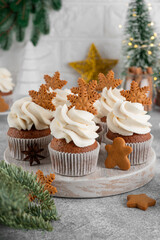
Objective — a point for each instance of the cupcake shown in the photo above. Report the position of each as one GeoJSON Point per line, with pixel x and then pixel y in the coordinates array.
{"type": "Point", "coordinates": [29, 122]}
{"type": "Point", "coordinates": [6, 85]}
{"type": "Point", "coordinates": [74, 149]}
{"type": "Point", "coordinates": [109, 96]}
{"type": "Point", "coordinates": [129, 121]}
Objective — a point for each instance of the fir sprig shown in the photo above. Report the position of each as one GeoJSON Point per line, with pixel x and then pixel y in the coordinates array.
{"type": "Point", "coordinates": [15, 208]}
{"type": "Point", "coordinates": [15, 16]}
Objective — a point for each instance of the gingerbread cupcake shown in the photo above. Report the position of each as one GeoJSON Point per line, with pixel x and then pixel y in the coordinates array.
{"type": "Point", "coordinates": [109, 96]}
{"type": "Point", "coordinates": [29, 122]}
{"type": "Point", "coordinates": [55, 84]}
{"type": "Point", "coordinates": [74, 149]}
{"type": "Point", "coordinates": [6, 85]}
{"type": "Point", "coordinates": [129, 121]}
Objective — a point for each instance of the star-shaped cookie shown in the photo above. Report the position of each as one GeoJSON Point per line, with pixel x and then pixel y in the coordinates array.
{"type": "Point", "coordinates": [93, 64]}
{"type": "Point", "coordinates": [118, 154]}
{"type": "Point", "coordinates": [43, 98]}
{"type": "Point", "coordinates": [137, 94]}
{"type": "Point", "coordinates": [54, 82]}
{"type": "Point", "coordinates": [84, 97]}
{"type": "Point", "coordinates": [107, 81]}
{"type": "Point", "coordinates": [141, 201]}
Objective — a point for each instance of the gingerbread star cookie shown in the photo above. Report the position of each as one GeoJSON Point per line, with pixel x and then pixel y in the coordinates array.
{"type": "Point", "coordinates": [137, 94]}
{"type": "Point", "coordinates": [54, 82]}
{"type": "Point", "coordinates": [43, 98]}
{"type": "Point", "coordinates": [141, 201]}
{"type": "Point", "coordinates": [85, 96]}
{"type": "Point", "coordinates": [107, 81]}
{"type": "Point", "coordinates": [118, 154]}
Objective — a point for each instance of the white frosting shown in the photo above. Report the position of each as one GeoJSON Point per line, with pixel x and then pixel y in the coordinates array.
{"type": "Point", "coordinates": [128, 118]}
{"type": "Point", "coordinates": [25, 113]}
{"type": "Point", "coordinates": [6, 84]}
{"type": "Point", "coordinates": [74, 125]}
{"type": "Point", "coordinates": [61, 97]}
{"type": "Point", "coordinates": [106, 103]}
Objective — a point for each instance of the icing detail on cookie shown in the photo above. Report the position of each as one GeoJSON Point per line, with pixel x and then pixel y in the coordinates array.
{"type": "Point", "coordinates": [25, 114]}
{"type": "Point", "coordinates": [74, 125]}
{"type": "Point", "coordinates": [128, 118]}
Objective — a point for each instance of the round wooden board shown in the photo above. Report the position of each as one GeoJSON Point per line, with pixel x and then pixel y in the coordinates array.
{"type": "Point", "coordinates": [103, 182]}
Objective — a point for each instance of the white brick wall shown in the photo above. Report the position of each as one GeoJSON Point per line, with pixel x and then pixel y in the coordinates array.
{"type": "Point", "coordinates": [73, 29]}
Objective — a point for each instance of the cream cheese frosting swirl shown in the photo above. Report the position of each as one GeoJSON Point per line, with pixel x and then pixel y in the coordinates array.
{"type": "Point", "coordinates": [25, 114]}
{"type": "Point", "coordinates": [128, 118]}
{"type": "Point", "coordinates": [61, 97]}
{"type": "Point", "coordinates": [74, 125]}
{"type": "Point", "coordinates": [106, 103]}
{"type": "Point", "coordinates": [6, 84]}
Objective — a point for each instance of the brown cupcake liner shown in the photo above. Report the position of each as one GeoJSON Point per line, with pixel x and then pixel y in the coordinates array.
{"type": "Point", "coordinates": [74, 164]}
{"type": "Point", "coordinates": [140, 153]}
{"type": "Point", "coordinates": [16, 145]}
{"type": "Point", "coordinates": [104, 129]}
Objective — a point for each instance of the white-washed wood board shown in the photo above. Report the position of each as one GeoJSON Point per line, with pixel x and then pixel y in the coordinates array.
{"type": "Point", "coordinates": [103, 182]}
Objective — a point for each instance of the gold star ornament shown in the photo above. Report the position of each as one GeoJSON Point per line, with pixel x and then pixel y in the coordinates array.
{"type": "Point", "coordinates": [93, 65]}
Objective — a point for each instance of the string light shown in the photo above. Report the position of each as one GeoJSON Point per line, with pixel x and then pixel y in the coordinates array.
{"type": "Point", "coordinates": [155, 78]}
{"type": "Point", "coordinates": [129, 44]}
{"type": "Point", "coordinates": [134, 14]}
{"type": "Point", "coordinates": [159, 44]}
{"type": "Point", "coordinates": [149, 5]}
{"type": "Point", "coordinates": [120, 26]}
{"type": "Point", "coordinates": [149, 52]}
{"type": "Point", "coordinates": [128, 57]}
{"type": "Point", "coordinates": [152, 38]}
{"type": "Point", "coordinates": [131, 39]}
{"type": "Point", "coordinates": [152, 45]}
{"type": "Point", "coordinates": [135, 46]}
{"type": "Point", "coordinates": [155, 34]}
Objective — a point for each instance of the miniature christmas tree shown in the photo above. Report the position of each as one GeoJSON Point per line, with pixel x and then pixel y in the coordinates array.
{"type": "Point", "coordinates": [15, 16]}
{"type": "Point", "coordinates": [140, 46]}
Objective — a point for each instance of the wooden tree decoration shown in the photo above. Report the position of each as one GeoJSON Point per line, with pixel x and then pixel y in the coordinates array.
{"type": "Point", "coordinates": [107, 81]}
{"type": "Point", "coordinates": [54, 82]}
{"type": "Point", "coordinates": [85, 96]}
{"type": "Point", "coordinates": [43, 98]}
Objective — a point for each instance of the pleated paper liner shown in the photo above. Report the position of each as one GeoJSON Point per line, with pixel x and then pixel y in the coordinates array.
{"type": "Point", "coordinates": [74, 164]}
{"type": "Point", "coordinates": [140, 153]}
{"type": "Point", "coordinates": [17, 145]}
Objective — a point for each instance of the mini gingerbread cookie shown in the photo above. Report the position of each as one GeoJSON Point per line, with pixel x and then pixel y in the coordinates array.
{"type": "Point", "coordinates": [118, 154]}
{"type": "Point", "coordinates": [43, 98]}
{"type": "Point", "coordinates": [137, 94]}
{"type": "Point", "coordinates": [3, 105]}
{"type": "Point", "coordinates": [85, 97]}
{"type": "Point", "coordinates": [107, 81]}
{"type": "Point", "coordinates": [141, 201]}
{"type": "Point", "coordinates": [54, 82]}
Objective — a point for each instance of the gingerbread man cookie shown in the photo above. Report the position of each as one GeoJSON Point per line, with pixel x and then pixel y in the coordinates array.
{"type": "Point", "coordinates": [118, 154]}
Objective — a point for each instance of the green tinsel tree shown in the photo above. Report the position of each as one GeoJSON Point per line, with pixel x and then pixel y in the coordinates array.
{"type": "Point", "coordinates": [15, 208]}
{"type": "Point", "coordinates": [140, 47]}
{"type": "Point", "coordinates": [15, 16]}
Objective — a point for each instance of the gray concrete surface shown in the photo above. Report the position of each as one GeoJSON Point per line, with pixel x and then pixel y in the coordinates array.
{"type": "Point", "coordinates": [101, 218]}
